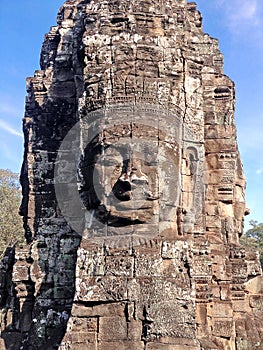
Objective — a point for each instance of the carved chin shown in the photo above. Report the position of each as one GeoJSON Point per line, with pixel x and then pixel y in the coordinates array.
{"type": "Point", "coordinates": [116, 221]}
{"type": "Point", "coordinates": [106, 217]}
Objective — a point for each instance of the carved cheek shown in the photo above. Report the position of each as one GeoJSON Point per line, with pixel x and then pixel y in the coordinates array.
{"type": "Point", "coordinates": [115, 173]}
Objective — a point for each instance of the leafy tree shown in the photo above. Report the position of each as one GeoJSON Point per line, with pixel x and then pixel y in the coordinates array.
{"type": "Point", "coordinates": [254, 238]}
{"type": "Point", "coordinates": [11, 225]}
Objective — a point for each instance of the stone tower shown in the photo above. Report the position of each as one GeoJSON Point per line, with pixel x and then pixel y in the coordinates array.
{"type": "Point", "coordinates": [133, 190]}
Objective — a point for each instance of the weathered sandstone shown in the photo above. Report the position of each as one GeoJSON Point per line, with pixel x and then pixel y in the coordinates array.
{"type": "Point", "coordinates": [133, 190]}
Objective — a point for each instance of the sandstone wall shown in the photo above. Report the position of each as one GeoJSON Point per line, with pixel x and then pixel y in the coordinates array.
{"type": "Point", "coordinates": [133, 190]}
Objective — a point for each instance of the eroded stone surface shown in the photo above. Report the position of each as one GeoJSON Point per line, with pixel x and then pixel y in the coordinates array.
{"type": "Point", "coordinates": [133, 190]}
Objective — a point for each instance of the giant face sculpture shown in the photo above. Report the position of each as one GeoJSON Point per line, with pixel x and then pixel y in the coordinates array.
{"type": "Point", "coordinates": [134, 171]}
{"type": "Point", "coordinates": [128, 177]}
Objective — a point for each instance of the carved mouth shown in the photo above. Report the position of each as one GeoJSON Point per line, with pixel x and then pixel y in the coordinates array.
{"type": "Point", "coordinates": [106, 217]}
{"type": "Point", "coordinates": [125, 191]}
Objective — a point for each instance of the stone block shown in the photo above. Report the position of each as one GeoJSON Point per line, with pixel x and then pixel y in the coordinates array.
{"type": "Point", "coordinates": [201, 314]}
{"type": "Point", "coordinates": [239, 306]}
{"type": "Point", "coordinates": [83, 346]}
{"type": "Point", "coordinates": [256, 302]}
{"type": "Point", "coordinates": [135, 330]}
{"type": "Point", "coordinates": [103, 309]}
{"type": "Point", "coordinates": [121, 345]}
{"type": "Point", "coordinates": [85, 324]}
{"type": "Point", "coordinates": [102, 288]}
{"type": "Point", "coordinates": [21, 272]}
{"type": "Point", "coordinates": [221, 309]}
{"type": "Point", "coordinates": [223, 328]}
{"type": "Point", "coordinates": [112, 329]}
{"type": "Point", "coordinates": [225, 293]}
{"type": "Point", "coordinates": [178, 344]}
{"type": "Point", "coordinates": [219, 132]}
{"type": "Point", "coordinates": [119, 266]}
{"type": "Point", "coordinates": [220, 145]}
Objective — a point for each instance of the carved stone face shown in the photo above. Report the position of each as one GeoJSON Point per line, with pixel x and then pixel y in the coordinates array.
{"type": "Point", "coordinates": [139, 174]}
{"type": "Point", "coordinates": [131, 179]}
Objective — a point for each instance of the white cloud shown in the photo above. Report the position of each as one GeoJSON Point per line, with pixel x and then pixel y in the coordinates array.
{"type": "Point", "coordinates": [259, 171]}
{"type": "Point", "coordinates": [241, 14]}
{"type": "Point", "coordinates": [248, 10]}
{"type": "Point", "coordinates": [5, 126]}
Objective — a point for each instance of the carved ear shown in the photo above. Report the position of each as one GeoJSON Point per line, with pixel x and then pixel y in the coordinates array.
{"type": "Point", "coordinates": [190, 196]}
{"type": "Point", "coordinates": [191, 160]}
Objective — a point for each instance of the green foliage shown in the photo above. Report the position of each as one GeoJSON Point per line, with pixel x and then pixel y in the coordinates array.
{"type": "Point", "coordinates": [11, 224]}
{"type": "Point", "coordinates": [254, 238]}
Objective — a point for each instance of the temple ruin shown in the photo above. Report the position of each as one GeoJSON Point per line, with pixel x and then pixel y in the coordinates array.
{"type": "Point", "coordinates": [133, 190]}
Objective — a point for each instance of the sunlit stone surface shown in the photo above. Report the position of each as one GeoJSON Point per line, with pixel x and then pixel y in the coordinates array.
{"type": "Point", "coordinates": [133, 190]}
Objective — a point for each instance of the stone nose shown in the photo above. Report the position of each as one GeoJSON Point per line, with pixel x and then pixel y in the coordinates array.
{"type": "Point", "coordinates": [130, 180]}
{"type": "Point", "coordinates": [131, 172]}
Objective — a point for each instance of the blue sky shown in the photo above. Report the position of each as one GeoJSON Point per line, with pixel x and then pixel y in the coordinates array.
{"type": "Point", "coordinates": [238, 26]}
